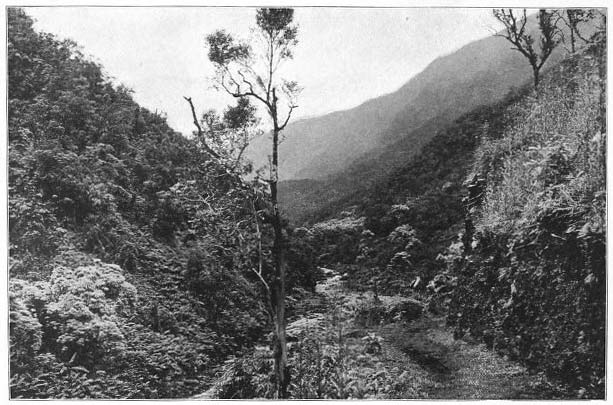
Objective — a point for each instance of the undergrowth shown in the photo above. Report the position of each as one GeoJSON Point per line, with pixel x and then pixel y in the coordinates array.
{"type": "Point", "coordinates": [330, 357]}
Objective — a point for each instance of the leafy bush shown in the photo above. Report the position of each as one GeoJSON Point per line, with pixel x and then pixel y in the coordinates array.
{"type": "Point", "coordinates": [327, 365]}
{"type": "Point", "coordinates": [56, 380]}
{"type": "Point", "coordinates": [82, 313]}
{"type": "Point", "coordinates": [26, 332]}
{"type": "Point", "coordinates": [337, 240]}
{"type": "Point", "coordinates": [70, 339]}
{"type": "Point", "coordinates": [323, 364]}
{"type": "Point", "coordinates": [77, 310]}
{"type": "Point", "coordinates": [64, 328]}
{"type": "Point", "coordinates": [246, 377]}
{"type": "Point", "coordinates": [162, 365]}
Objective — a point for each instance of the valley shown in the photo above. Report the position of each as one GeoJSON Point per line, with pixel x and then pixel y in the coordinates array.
{"type": "Point", "coordinates": [443, 241]}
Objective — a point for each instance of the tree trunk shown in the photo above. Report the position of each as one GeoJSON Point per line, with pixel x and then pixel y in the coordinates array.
{"type": "Point", "coordinates": [602, 74]}
{"type": "Point", "coordinates": [280, 344]}
{"type": "Point", "coordinates": [535, 71]}
{"type": "Point", "coordinates": [572, 25]}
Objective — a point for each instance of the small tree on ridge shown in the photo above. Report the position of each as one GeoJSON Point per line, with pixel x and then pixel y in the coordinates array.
{"type": "Point", "coordinates": [516, 33]}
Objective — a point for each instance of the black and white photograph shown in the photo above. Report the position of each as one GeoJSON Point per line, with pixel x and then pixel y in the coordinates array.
{"type": "Point", "coordinates": [279, 201]}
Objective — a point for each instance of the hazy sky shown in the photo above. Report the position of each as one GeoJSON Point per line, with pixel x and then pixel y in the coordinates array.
{"type": "Point", "coordinates": [345, 55]}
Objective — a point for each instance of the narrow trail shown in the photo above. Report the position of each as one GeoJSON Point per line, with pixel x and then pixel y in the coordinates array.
{"type": "Point", "coordinates": [419, 357]}
{"type": "Point", "coordinates": [429, 362]}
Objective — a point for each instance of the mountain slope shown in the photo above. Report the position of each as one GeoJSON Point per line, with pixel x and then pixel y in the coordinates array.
{"type": "Point", "coordinates": [518, 256]}
{"type": "Point", "coordinates": [130, 249]}
{"type": "Point", "coordinates": [479, 73]}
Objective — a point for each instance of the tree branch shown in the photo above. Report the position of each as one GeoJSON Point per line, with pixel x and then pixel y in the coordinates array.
{"type": "Point", "coordinates": [238, 93]}
{"type": "Point", "coordinates": [251, 91]}
{"type": "Point", "coordinates": [289, 114]}
{"type": "Point", "coordinates": [241, 150]}
{"type": "Point", "coordinates": [258, 272]}
{"type": "Point", "coordinates": [200, 132]}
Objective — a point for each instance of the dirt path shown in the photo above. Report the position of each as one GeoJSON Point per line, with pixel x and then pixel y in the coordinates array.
{"type": "Point", "coordinates": [397, 356]}
{"type": "Point", "coordinates": [428, 362]}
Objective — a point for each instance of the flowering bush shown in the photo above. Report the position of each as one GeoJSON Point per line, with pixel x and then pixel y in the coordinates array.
{"type": "Point", "coordinates": [74, 316]}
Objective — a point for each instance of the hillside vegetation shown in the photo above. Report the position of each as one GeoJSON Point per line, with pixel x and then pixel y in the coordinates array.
{"type": "Point", "coordinates": [510, 199]}
{"type": "Point", "coordinates": [456, 251]}
{"type": "Point", "coordinates": [422, 199]}
{"type": "Point", "coordinates": [531, 280]}
{"type": "Point", "coordinates": [130, 248]}
{"type": "Point", "coordinates": [481, 74]}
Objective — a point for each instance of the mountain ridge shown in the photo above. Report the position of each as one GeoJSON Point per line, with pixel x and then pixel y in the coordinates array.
{"type": "Point", "coordinates": [478, 73]}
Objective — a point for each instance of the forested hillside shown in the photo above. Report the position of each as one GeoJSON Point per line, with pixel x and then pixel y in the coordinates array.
{"type": "Point", "coordinates": [131, 248]}
{"type": "Point", "coordinates": [456, 250]}
{"type": "Point", "coordinates": [421, 201]}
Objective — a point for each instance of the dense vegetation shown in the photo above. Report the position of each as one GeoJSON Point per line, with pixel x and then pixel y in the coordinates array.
{"type": "Point", "coordinates": [134, 250]}
{"type": "Point", "coordinates": [392, 232]}
{"type": "Point", "coordinates": [131, 247]}
{"type": "Point", "coordinates": [531, 276]}
{"type": "Point", "coordinates": [522, 182]}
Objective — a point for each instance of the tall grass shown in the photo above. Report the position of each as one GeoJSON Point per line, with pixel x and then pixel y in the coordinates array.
{"type": "Point", "coordinates": [552, 155]}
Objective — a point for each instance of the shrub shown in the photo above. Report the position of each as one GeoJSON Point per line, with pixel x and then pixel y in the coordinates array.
{"type": "Point", "coordinates": [77, 312]}
{"type": "Point", "coordinates": [246, 377]}
{"type": "Point", "coordinates": [26, 332]}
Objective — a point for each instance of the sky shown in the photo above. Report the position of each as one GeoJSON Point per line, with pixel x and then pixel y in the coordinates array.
{"type": "Point", "coordinates": [344, 57]}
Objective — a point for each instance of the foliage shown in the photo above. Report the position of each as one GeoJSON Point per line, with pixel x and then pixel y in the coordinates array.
{"type": "Point", "coordinates": [26, 332]}
{"type": "Point", "coordinates": [576, 20]}
{"type": "Point", "coordinates": [424, 198]}
{"type": "Point", "coordinates": [301, 258]}
{"type": "Point", "coordinates": [247, 377]}
{"type": "Point", "coordinates": [228, 136]}
{"type": "Point", "coordinates": [54, 379]}
{"type": "Point", "coordinates": [73, 318]}
{"type": "Point", "coordinates": [223, 49]}
{"type": "Point", "coordinates": [337, 240]}
{"type": "Point", "coordinates": [530, 283]}
{"type": "Point", "coordinates": [330, 361]}
{"type": "Point", "coordinates": [324, 364]}
{"type": "Point", "coordinates": [93, 176]}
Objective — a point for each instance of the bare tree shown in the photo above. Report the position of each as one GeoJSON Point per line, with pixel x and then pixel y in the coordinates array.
{"type": "Point", "coordinates": [243, 72]}
{"type": "Point", "coordinates": [517, 34]}
{"type": "Point", "coordinates": [573, 18]}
